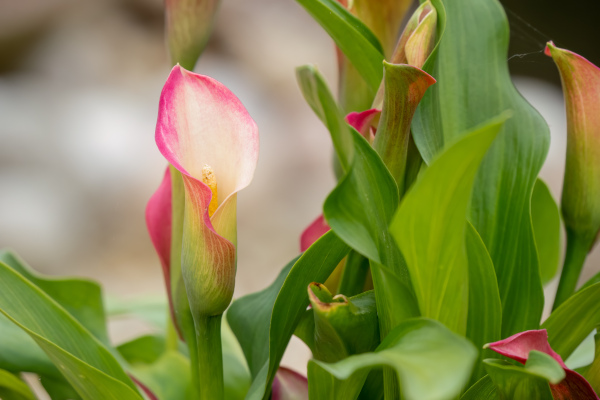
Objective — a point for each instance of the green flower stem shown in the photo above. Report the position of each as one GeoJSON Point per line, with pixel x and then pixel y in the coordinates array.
{"type": "Point", "coordinates": [172, 341]}
{"type": "Point", "coordinates": [209, 362]}
{"type": "Point", "coordinates": [578, 247]}
{"type": "Point", "coordinates": [190, 341]}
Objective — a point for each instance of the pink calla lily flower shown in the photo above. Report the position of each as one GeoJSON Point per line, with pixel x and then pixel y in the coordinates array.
{"type": "Point", "coordinates": [517, 347]}
{"type": "Point", "coordinates": [205, 132]}
{"type": "Point", "coordinates": [289, 385]}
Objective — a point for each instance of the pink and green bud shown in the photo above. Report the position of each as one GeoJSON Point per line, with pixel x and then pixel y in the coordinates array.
{"type": "Point", "coordinates": [418, 39]}
{"type": "Point", "coordinates": [518, 347]}
{"type": "Point", "coordinates": [188, 27]}
{"type": "Point", "coordinates": [581, 190]}
{"type": "Point", "coordinates": [205, 132]}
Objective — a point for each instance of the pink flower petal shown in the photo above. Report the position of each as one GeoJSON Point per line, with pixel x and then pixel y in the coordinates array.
{"type": "Point", "coordinates": [289, 385]}
{"type": "Point", "coordinates": [574, 386]}
{"type": "Point", "coordinates": [361, 121]}
{"type": "Point", "coordinates": [314, 231]}
{"type": "Point", "coordinates": [158, 222]}
{"type": "Point", "coordinates": [517, 347]}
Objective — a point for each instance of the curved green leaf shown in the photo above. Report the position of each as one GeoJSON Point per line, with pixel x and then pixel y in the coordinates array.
{"type": "Point", "coordinates": [168, 377]}
{"type": "Point", "coordinates": [430, 228]}
{"type": "Point", "coordinates": [485, 310]}
{"type": "Point", "coordinates": [353, 38]}
{"type": "Point", "coordinates": [82, 298]}
{"type": "Point", "coordinates": [574, 320]}
{"type": "Point", "coordinates": [592, 374]}
{"type": "Point", "coordinates": [546, 228]}
{"type": "Point", "coordinates": [13, 388]}
{"type": "Point", "coordinates": [474, 85]}
{"type": "Point", "coordinates": [88, 366]}
{"type": "Point", "coordinates": [264, 322]}
{"type": "Point", "coordinates": [430, 361]}
{"type": "Point", "coordinates": [320, 99]}
{"type": "Point", "coordinates": [484, 389]}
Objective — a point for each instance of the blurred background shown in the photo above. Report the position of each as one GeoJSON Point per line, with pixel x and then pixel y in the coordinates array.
{"type": "Point", "coordinates": [79, 88]}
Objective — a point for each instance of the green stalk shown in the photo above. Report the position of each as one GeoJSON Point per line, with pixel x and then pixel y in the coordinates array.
{"type": "Point", "coordinates": [578, 247]}
{"type": "Point", "coordinates": [209, 358]}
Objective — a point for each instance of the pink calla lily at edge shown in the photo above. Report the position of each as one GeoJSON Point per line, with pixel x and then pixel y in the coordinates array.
{"type": "Point", "coordinates": [205, 132]}
{"type": "Point", "coordinates": [517, 347]}
{"type": "Point", "coordinates": [289, 385]}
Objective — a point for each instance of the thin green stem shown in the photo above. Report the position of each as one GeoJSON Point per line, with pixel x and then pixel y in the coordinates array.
{"type": "Point", "coordinates": [578, 247]}
{"type": "Point", "coordinates": [209, 358]}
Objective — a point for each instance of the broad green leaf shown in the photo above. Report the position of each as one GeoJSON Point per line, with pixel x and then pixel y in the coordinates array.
{"type": "Point", "coordinates": [573, 321]}
{"type": "Point", "coordinates": [237, 376]}
{"type": "Point", "coordinates": [151, 309]}
{"type": "Point", "coordinates": [353, 38]}
{"type": "Point", "coordinates": [473, 86]}
{"type": "Point", "coordinates": [59, 389]}
{"type": "Point", "coordinates": [88, 366]}
{"type": "Point", "coordinates": [530, 381]}
{"type": "Point", "coordinates": [82, 298]}
{"type": "Point", "coordinates": [13, 388]}
{"type": "Point", "coordinates": [592, 374]}
{"type": "Point", "coordinates": [546, 228]}
{"type": "Point", "coordinates": [583, 355]}
{"type": "Point", "coordinates": [264, 322]}
{"type": "Point", "coordinates": [485, 311]}
{"type": "Point", "coordinates": [143, 349]}
{"type": "Point", "coordinates": [430, 361]}
{"type": "Point", "coordinates": [484, 389]}
{"type": "Point", "coordinates": [168, 377]}
{"type": "Point", "coordinates": [320, 99]}
{"type": "Point", "coordinates": [430, 228]}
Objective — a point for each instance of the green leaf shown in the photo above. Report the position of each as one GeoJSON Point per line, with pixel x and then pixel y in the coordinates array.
{"type": "Point", "coordinates": [151, 309]}
{"type": "Point", "coordinates": [320, 99]}
{"type": "Point", "coordinates": [485, 310]}
{"type": "Point", "coordinates": [168, 378]}
{"type": "Point", "coordinates": [530, 381]}
{"type": "Point", "coordinates": [143, 349]}
{"type": "Point", "coordinates": [353, 38]}
{"type": "Point", "coordinates": [592, 374]}
{"type": "Point", "coordinates": [430, 361]}
{"type": "Point", "coordinates": [484, 389]}
{"type": "Point", "coordinates": [430, 228]}
{"type": "Point", "coordinates": [59, 389]}
{"type": "Point", "coordinates": [88, 366]}
{"type": "Point", "coordinates": [546, 228]}
{"type": "Point", "coordinates": [574, 320]}
{"type": "Point", "coordinates": [82, 298]}
{"type": "Point", "coordinates": [473, 86]}
{"type": "Point", "coordinates": [13, 388]}
{"type": "Point", "coordinates": [236, 374]}
{"type": "Point", "coordinates": [264, 322]}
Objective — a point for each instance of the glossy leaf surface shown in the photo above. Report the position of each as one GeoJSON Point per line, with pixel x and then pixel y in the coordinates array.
{"type": "Point", "coordinates": [470, 64]}
{"type": "Point", "coordinates": [83, 360]}
{"type": "Point", "coordinates": [430, 228]}
{"type": "Point", "coordinates": [430, 361]}
{"type": "Point", "coordinates": [546, 227]}
{"type": "Point", "coordinates": [352, 37]}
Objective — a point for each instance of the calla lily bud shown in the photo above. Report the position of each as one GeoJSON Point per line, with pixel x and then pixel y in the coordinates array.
{"type": "Point", "coordinates": [581, 190]}
{"type": "Point", "coordinates": [418, 39]}
{"type": "Point", "coordinates": [342, 326]}
{"type": "Point", "coordinates": [188, 27]}
{"type": "Point", "coordinates": [205, 132]}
